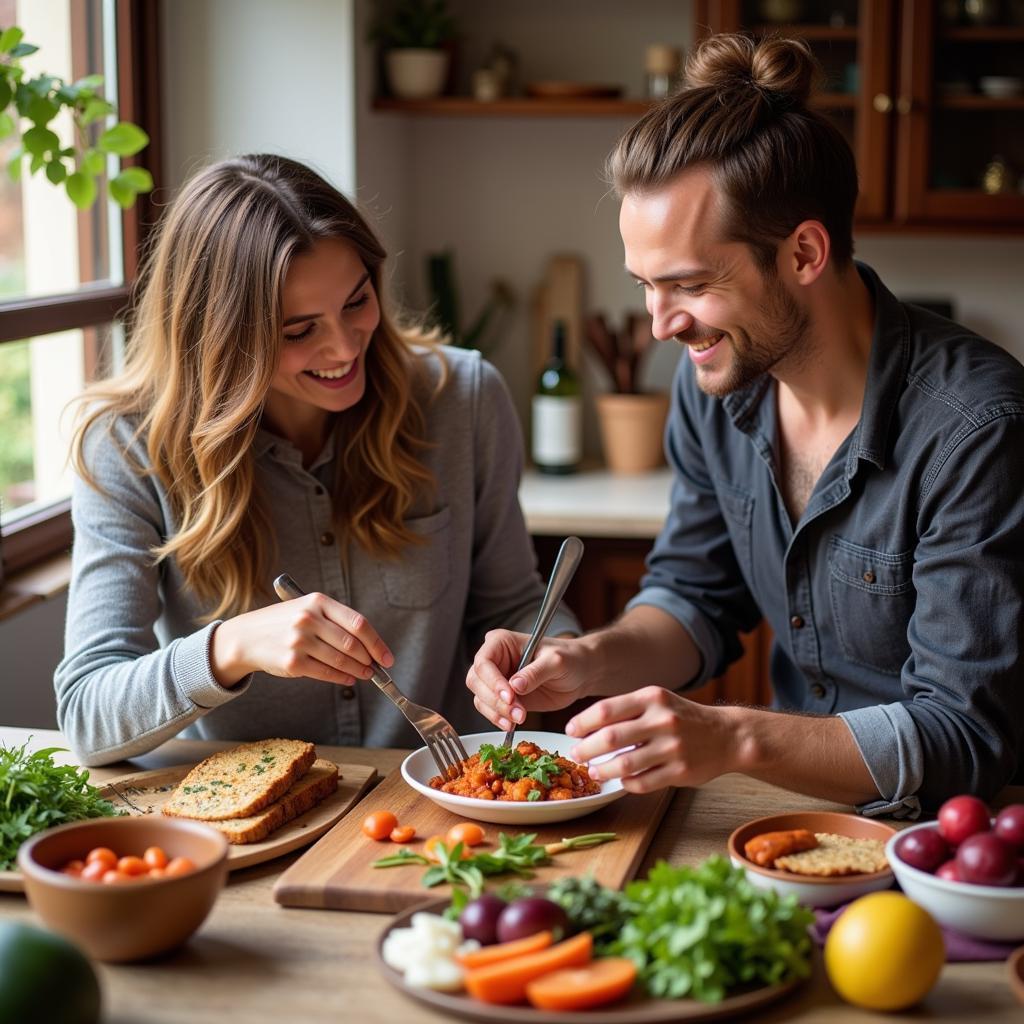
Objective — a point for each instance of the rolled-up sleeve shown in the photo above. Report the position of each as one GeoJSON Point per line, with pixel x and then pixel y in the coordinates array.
{"type": "Point", "coordinates": [692, 571]}
{"type": "Point", "coordinates": [960, 726]}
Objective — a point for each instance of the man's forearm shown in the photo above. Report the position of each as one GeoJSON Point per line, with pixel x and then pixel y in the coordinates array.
{"type": "Point", "coordinates": [812, 755]}
{"type": "Point", "coordinates": [644, 646]}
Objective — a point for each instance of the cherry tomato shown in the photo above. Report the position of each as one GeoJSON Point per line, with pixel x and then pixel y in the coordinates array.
{"type": "Point", "coordinates": [155, 857]}
{"type": "Point", "coordinates": [429, 847]}
{"type": "Point", "coordinates": [157, 873]}
{"type": "Point", "coordinates": [402, 834]}
{"type": "Point", "coordinates": [115, 877]}
{"type": "Point", "coordinates": [466, 832]}
{"type": "Point", "coordinates": [179, 866]}
{"type": "Point", "coordinates": [104, 855]}
{"type": "Point", "coordinates": [73, 868]}
{"type": "Point", "coordinates": [379, 825]}
{"type": "Point", "coordinates": [94, 871]}
{"type": "Point", "coordinates": [132, 866]}
{"type": "Point", "coordinates": [961, 817]}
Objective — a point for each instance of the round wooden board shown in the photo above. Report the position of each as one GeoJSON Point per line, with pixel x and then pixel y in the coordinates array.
{"type": "Point", "coordinates": [148, 791]}
{"type": "Point", "coordinates": [637, 1009]}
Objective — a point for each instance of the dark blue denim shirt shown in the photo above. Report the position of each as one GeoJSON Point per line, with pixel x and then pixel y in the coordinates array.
{"type": "Point", "coordinates": [897, 600]}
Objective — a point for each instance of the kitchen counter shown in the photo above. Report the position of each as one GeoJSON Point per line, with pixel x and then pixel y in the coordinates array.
{"type": "Point", "coordinates": [596, 503]}
{"type": "Point", "coordinates": [263, 964]}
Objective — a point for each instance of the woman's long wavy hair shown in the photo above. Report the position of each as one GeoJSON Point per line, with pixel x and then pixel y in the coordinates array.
{"type": "Point", "coordinates": [204, 347]}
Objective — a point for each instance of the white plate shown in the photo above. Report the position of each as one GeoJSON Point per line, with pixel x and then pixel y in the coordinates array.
{"type": "Point", "coordinates": [419, 768]}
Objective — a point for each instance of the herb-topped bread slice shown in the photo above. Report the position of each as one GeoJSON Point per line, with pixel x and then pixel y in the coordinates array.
{"type": "Point", "coordinates": [241, 781]}
{"type": "Point", "coordinates": [316, 785]}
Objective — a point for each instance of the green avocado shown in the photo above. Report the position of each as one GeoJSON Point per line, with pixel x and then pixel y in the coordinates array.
{"type": "Point", "coordinates": [43, 977]}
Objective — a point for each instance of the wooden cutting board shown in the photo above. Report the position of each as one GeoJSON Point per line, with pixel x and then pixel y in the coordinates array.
{"type": "Point", "coordinates": [338, 874]}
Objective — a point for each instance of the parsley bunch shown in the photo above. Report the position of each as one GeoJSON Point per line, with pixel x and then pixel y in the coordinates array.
{"type": "Point", "coordinates": [512, 765]}
{"type": "Point", "coordinates": [36, 794]}
{"type": "Point", "coordinates": [703, 931]}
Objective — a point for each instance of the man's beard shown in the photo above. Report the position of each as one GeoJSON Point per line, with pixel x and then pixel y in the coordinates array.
{"type": "Point", "coordinates": [779, 332]}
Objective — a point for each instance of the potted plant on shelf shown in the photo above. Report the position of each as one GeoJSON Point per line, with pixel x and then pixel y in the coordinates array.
{"type": "Point", "coordinates": [632, 421]}
{"type": "Point", "coordinates": [413, 35]}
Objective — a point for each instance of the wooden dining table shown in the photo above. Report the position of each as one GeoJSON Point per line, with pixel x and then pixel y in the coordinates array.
{"type": "Point", "coordinates": [255, 961]}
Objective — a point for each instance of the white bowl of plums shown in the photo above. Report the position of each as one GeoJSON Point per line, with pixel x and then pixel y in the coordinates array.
{"type": "Point", "coordinates": [967, 868]}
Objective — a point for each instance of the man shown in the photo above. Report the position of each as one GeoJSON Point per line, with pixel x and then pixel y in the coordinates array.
{"type": "Point", "coordinates": [846, 466]}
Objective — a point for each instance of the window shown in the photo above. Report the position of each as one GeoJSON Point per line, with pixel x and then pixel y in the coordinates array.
{"type": "Point", "coordinates": [65, 275]}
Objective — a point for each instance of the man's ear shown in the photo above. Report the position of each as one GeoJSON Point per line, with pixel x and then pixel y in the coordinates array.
{"type": "Point", "coordinates": [806, 251]}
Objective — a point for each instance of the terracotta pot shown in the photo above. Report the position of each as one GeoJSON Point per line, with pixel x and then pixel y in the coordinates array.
{"type": "Point", "coordinates": [416, 74]}
{"type": "Point", "coordinates": [632, 430]}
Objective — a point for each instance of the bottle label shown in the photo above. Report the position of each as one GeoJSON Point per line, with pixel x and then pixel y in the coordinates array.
{"type": "Point", "coordinates": [557, 430]}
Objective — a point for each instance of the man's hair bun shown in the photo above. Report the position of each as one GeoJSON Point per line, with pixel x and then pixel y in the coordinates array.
{"type": "Point", "coordinates": [783, 70]}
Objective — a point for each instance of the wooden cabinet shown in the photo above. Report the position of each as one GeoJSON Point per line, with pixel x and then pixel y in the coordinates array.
{"type": "Point", "coordinates": [609, 576]}
{"type": "Point", "coordinates": [911, 91]}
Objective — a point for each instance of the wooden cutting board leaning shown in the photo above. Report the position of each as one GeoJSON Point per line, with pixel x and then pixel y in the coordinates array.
{"type": "Point", "coordinates": [338, 872]}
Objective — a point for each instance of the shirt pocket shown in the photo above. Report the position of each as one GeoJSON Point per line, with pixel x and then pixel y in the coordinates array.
{"type": "Point", "coordinates": [873, 598]}
{"type": "Point", "coordinates": [419, 578]}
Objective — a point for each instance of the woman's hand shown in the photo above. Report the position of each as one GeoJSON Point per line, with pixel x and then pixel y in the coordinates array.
{"type": "Point", "coordinates": [554, 679]}
{"type": "Point", "coordinates": [674, 741]}
{"type": "Point", "coordinates": [312, 636]}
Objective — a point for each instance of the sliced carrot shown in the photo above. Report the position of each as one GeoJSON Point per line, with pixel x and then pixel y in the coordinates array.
{"type": "Point", "coordinates": [505, 950]}
{"type": "Point", "coordinates": [579, 988]}
{"type": "Point", "coordinates": [505, 982]}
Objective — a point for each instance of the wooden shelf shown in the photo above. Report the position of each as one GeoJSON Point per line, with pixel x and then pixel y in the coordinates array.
{"type": "Point", "coordinates": [465, 106]}
{"type": "Point", "coordinates": [823, 33]}
{"type": "Point", "coordinates": [984, 34]}
{"type": "Point", "coordinates": [981, 103]}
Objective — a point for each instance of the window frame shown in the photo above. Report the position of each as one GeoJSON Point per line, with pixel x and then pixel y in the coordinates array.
{"type": "Point", "coordinates": [48, 532]}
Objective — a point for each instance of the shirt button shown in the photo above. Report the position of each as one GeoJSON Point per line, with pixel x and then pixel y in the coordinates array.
{"type": "Point", "coordinates": [817, 690]}
{"type": "Point", "coordinates": [348, 693]}
{"type": "Point", "coordinates": [796, 622]}
{"type": "Point", "coordinates": [327, 538]}
{"type": "Point", "coordinates": [869, 576]}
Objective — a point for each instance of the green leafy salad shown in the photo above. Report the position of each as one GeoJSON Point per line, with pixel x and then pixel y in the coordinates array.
{"type": "Point", "coordinates": [36, 794]}
{"type": "Point", "coordinates": [694, 932]}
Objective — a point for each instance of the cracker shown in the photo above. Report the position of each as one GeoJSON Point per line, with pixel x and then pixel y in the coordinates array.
{"type": "Point", "coordinates": [836, 855]}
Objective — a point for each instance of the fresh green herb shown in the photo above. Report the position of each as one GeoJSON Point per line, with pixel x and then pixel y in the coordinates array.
{"type": "Point", "coordinates": [515, 855]}
{"type": "Point", "coordinates": [195, 789]}
{"type": "Point", "coordinates": [241, 767]}
{"type": "Point", "coordinates": [591, 907]}
{"type": "Point", "coordinates": [533, 795]}
{"type": "Point", "coordinates": [701, 932]}
{"type": "Point", "coordinates": [35, 794]}
{"type": "Point", "coordinates": [511, 765]}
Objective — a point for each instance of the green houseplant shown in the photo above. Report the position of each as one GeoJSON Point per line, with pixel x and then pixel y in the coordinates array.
{"type": "Point", "coordinates": [28, 107]}
{"type": "Point", "coordinates": [413, 35]}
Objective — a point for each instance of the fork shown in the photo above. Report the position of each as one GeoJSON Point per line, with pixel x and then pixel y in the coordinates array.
{"type": "Point", "coordinates": [568, 560]}
{"type": "Point", "coordinates": [437, 732]}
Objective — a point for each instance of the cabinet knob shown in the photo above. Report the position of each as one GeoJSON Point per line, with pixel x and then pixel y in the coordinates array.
{"type": "Point", "coordinates": [882, 103]}
{"type": "Point", "coordinates": [904, 105]}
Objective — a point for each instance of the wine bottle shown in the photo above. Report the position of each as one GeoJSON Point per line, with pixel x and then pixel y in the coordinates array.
{"type": "Point", "coordinates": [557, 412]}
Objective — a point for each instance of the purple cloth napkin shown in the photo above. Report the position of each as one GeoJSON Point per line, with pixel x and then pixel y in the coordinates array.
{"type": "Point", "coordinates": [959, 947]}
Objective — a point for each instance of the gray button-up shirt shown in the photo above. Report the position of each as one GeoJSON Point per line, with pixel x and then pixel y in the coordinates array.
{"type": "Point", "coordinates": [897, 600]}
{"type": "Point", "coordinates": [136, 665]}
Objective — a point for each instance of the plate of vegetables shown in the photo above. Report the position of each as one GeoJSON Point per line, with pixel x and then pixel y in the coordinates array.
{"type": "Point", "coordinates": [684, 943]}
{"type": "Point", "coordinates": [532, 783]}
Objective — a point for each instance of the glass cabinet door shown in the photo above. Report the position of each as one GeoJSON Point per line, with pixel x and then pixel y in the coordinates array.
{"type": "Point", "coordinates": [960, 113]}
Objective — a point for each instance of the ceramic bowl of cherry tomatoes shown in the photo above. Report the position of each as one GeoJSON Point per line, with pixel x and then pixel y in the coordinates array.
{"type": "Point", "coordinates": [967, 868]}
{"type": "Point", "coordinates": [125, 888]}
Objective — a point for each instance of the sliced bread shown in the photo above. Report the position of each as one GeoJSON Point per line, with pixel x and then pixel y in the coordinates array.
{"type": "Point", "coordinates": [239, 782]}
{"type": "Point", "coordinates": [316, 785]}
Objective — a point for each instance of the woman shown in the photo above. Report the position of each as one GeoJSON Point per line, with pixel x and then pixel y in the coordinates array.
{"type": "Point", "coordinates": [272, 418]}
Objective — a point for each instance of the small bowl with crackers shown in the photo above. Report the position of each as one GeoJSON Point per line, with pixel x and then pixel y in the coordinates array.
{"type": "Point", "coordinates": [824, 858]}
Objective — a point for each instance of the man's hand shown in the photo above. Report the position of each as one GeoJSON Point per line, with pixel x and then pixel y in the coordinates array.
{"type": "Point", "coordinates": [554, 679]}
{"type": "Point", "coordinates": [673, 741]}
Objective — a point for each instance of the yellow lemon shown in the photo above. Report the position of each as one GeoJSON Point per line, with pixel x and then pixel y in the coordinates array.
{"type": "Point", "coordinates": [884, 952]}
